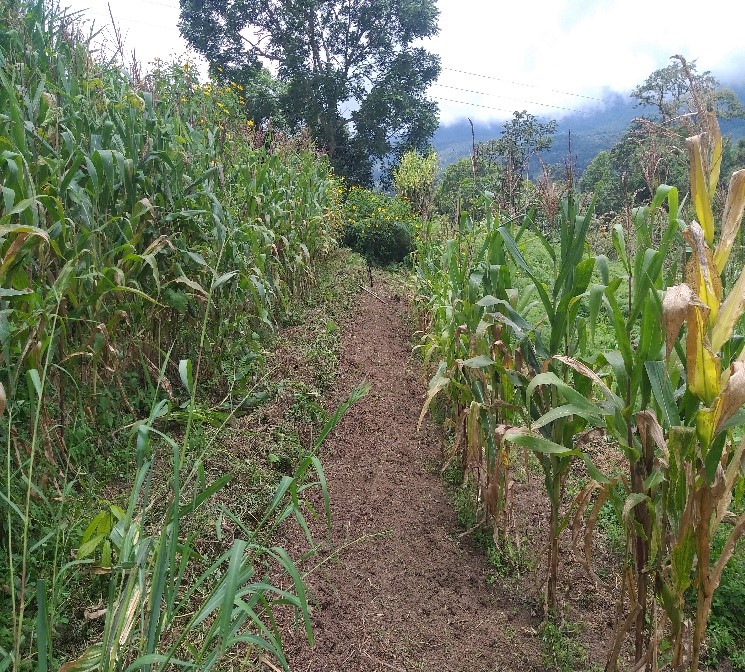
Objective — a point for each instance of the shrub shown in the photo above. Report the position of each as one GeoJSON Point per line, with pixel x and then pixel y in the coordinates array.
{"type": "Point", "coordinates": [378, 226]}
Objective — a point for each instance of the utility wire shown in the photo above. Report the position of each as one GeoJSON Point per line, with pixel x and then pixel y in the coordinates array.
{"type": "Point", "coordinates": [531, 86]}
{"type": "Point", "coordinates": [496, 95]}
{"type": "Point", "coordinates": [461, 102]}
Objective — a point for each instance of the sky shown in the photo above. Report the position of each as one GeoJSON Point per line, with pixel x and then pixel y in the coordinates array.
{"type": "Point", "coordinates": [544, 56]}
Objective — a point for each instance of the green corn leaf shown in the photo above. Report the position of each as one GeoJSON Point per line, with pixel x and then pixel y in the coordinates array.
{"type": "Point", "coordinates": [663, 392]}
{"type": "Point", "coordinates": [222, 279]}
{"type": "Point", "coordinates": [565, 411]}
{"type": "Point", "coordinates": [538, 444]}
{"type": "Point", "coordinates": [185, 373]}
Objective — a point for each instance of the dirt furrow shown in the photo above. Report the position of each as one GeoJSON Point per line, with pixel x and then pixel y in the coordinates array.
{"type": "Point", "coordinates": [404, 591]}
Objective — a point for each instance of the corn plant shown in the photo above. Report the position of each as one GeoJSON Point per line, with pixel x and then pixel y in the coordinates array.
{"type": "Point", "coordinates": [556, 391]}
{"type": "Point", "coordinates": [674, 425]}
{"type": "Point", "coordinates": [136, 219]}
{"type": "Point", "coordinates": [477, 328]}
{"type": "Point", "coordinates": [704, 459]}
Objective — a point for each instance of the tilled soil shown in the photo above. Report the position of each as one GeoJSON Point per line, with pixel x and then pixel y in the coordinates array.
{"type": "Point", "coordinates": [404, 591]}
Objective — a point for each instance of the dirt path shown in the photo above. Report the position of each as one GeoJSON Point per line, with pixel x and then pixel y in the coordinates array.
{"type": "Point", "coordinates": [404, 593]}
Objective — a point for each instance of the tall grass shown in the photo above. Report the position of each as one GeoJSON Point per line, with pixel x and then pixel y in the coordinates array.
{"type": "Point", "coordinates": [149, 234]}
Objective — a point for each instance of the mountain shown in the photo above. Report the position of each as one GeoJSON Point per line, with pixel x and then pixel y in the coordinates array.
{"type": "Point", "coordinates": [592, 130]}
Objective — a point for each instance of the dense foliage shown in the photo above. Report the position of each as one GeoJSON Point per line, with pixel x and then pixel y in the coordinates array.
{"type": "Point", "coordinates": [353, 73]}
{"type": "Point", "coordinates": [150, 234]}
{"type": "Point", "coordinates": [668, 398]}
{"type": "Point", "coordinates": [378, 226]}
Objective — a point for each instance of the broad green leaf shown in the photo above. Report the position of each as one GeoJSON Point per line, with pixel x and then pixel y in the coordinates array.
{"type": "Point", "coordinates": [23, 228]}
{"type": "Point", "coordinates": [34, 381]}
{"type": "Point", "coordinates": [683, 554]}
{"type": "Point", "coordinates": [567, 391]}
{"type": "Point", "coordinates": [565, 411]}
{"type": "Point", "coordinates": [185, 373]}
{"type": "Point", "coordinates": [663, 392]}
{"type": "Point", "coordinates": [225, 277]}
{"type": "Point", "coordinates": [619, 242]}
{"type": "Point", "coordinates": [478, 362]}
{"type": "Point", "coordinates": [193, 284]}
{"type": "Point", "coordinates": [593, 471]}
{"type": "Point", "coordinates": [538, 444]}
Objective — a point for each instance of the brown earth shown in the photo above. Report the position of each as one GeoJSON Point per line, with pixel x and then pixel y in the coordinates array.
{"type": "Point", "coordinates": [401, 588]}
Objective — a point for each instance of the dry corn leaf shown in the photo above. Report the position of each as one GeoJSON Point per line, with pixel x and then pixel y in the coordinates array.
{"type": "Point", "coordinates": [732, 218]}
{"type": "Point", "coordinates": [700, 188]}
{"type": "Point", "coordinates": [701, 273]}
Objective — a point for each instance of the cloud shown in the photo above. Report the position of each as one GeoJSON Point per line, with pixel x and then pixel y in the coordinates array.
{"type": "Point", "coordinates": [564, 53]}
{"type": "Point", "coordinates": [544, 56]}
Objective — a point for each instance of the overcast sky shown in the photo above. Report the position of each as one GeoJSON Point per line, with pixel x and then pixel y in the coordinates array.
{"type": "Point", "coordinates": [545, 56]}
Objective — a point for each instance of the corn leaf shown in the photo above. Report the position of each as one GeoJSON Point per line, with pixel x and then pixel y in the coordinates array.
{"type": "Point", "coordinates": [701, 273]}
{"type": "Point", "coordinates": [731, 220]}
{"type": "Point", "coordinates": [700, 188]}
{"type": "Point", "coordinates": [663, 392]}
{"type": "Point", "coordinates": [729, 313]}
{"type": "Point", "coordinates": [538, 444]}
{"type": "Point", "coordinates": [702, 365]}
{"type": "Point", "coordinates": [674, 312]}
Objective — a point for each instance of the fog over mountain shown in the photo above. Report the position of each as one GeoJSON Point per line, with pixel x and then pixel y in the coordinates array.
{"type": "Point", "coordinates": [592, 130]}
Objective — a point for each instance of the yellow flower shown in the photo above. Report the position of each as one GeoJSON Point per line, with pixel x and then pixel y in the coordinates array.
{"type": "Point", "coordinates": [183, 100]}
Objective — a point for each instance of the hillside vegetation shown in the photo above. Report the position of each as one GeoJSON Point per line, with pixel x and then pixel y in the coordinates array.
{"type": "Point", "coordinates": [151, 238]}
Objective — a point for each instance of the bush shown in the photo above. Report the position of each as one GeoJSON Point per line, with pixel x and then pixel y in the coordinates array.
{"type": "Point", "coordinates": [377, 226]}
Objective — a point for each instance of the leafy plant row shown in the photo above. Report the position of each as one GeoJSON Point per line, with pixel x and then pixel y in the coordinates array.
{"type": "Point", "coordinates": [668, 395]}
{"type": "Point", "coordinates": [149, 235]}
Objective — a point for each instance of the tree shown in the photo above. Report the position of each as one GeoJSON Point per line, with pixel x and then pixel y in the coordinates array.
{"type": "Point", "coordinates": [522, 138]}
{"type": "Point", "coordinates": [350, 69]}
{"type": "Point", "coordinates": [460, 191]}
{"type": "Point", "coordinates": [414, 180]}
{"type": "Point", "coordinates": [653, 150]}
{"type": "Point", "coordinates": [678, 91]}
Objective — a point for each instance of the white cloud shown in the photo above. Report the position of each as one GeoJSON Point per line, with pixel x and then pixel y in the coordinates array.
{"type": "Point", "coordinates": [580, 47]}
{"type": "Point", "coordinates": [541, 56]}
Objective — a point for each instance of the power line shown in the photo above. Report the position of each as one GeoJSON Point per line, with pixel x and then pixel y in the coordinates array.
{"type": "Point", "coordinates": [496, 95]}
{"type": "Point", "coordinates": [461, 102]}
{"type": "Point", "coordinates": [531, 86]}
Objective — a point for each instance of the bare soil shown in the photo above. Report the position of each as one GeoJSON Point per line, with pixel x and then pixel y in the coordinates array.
{"type": "Point", "coordinates": [401, 588]}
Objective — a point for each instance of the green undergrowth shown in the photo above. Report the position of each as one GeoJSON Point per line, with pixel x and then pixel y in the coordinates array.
{"type": "Point", "coordinates": [295, 378]}
{"type": "Point", "coordinates": [506, 560]}
{"type": "Point", "coordinates": [726, 629]}
{"type": "Point", "coordinates": [561, 650]}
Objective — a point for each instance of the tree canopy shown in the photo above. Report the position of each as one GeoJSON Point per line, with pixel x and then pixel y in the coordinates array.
{"type": "Point", "coordinates": [352, 71]}
{"type": "Point", "coordinates": [523, 137]}
{"type": "Point", "coordinates": [678, 90]}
